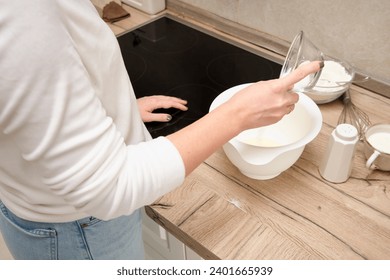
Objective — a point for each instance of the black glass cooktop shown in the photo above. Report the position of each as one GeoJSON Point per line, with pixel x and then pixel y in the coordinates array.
{"type": "Point", "coordinates": [170, 58]}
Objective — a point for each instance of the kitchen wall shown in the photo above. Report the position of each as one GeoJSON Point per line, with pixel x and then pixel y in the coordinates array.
{"type": "Point", "coordinates": [357, 31]}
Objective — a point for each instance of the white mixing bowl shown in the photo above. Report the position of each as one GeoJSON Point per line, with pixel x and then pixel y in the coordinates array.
{"type": "Point", "coordinates": [263, 153]}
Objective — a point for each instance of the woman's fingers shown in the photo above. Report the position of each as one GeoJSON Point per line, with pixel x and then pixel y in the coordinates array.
{"type": "Point", "coordinates": [297, 75]}
{"type": "Point", "coordinates": [148, 104]}
{"type": "Point", "coordinates": [157, 117]}
{"type": "Point", "coordinates": [300, 73]}
{"type": "Point", "coordinates": [166, 102]}
{"type": "Point", "coordinates": [290, 108]}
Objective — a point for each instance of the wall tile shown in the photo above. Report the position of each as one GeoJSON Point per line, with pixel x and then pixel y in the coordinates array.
{"type": "Point", "coordinates": [357, 31]}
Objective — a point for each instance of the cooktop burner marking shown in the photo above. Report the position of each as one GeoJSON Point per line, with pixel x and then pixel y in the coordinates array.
{"type": "Point", "coordinates": [229, 70]}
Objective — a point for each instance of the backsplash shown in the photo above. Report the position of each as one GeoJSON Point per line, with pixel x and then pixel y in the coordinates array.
{"type": "Point", "coordinates": [357, 31]}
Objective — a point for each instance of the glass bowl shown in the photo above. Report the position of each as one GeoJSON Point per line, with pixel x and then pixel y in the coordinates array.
{"type": "Point", "coordinates": [301, 51]}
{"type": "Point", "coordinates": [334, 80]}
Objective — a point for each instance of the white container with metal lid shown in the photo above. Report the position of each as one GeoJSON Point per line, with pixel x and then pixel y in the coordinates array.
{"type": "Point", "coordinates": [149, 6]}
{"type": "Point", "coordinates": [337, 162]}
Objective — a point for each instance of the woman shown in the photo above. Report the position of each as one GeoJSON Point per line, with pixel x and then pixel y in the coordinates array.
{"type": "Point", "coordinates": [76, 161]}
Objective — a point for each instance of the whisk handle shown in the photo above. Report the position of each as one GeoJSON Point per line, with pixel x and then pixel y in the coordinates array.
{"type": "Point", "coordinates": [347, 97]}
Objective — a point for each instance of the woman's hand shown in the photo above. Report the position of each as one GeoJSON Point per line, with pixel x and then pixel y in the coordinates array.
{"type": "Point", "coordinates": [266, 102]}
{"type": "Point", "coordinates": [148, 104]}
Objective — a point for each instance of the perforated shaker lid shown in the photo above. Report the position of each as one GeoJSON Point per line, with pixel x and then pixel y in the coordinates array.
{"type": "Point", "coordinates": [346, 132]}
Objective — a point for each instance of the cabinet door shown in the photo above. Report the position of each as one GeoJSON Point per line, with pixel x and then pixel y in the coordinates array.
{"type": "Point", "coordinates": [159, 244]}
{"type": "Point", "coordinates": [4, 252]}
{"type": "Point", "coordinates": [191, 255]}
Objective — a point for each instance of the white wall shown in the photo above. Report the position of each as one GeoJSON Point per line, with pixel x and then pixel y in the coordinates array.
{"type": "Point", "coordinates": [357, 31]}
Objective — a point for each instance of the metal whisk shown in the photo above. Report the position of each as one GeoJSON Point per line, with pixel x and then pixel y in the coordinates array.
{"type": "Point", "coordinates": [354, 116]}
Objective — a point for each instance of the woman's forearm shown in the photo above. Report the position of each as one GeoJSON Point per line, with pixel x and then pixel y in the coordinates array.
{"type": "Point", "coordinates": [199, 140]}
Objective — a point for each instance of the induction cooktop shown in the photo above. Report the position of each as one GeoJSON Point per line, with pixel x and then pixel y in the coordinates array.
{"type": "Point", "coordinates": [169, 57]}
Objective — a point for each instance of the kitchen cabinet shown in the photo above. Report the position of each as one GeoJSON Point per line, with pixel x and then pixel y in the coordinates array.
{"type": "Point", "coordinates": [4, 253]}
{"type": "Point", "coordinates": [161, 245]}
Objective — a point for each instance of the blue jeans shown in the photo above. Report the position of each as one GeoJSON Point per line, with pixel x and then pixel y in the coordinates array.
{"type": "Point", "coordinates": [88, 238]}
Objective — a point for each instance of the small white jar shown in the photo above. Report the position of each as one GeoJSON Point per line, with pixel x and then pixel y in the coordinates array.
{"type": "Point", "coordinates": [151, 7]}
{"type": "Point", "coordinates": [336, 164]}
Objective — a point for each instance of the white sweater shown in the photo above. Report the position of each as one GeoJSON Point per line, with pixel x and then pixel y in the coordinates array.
{"type": "Point", "coordinates": [72, 143]}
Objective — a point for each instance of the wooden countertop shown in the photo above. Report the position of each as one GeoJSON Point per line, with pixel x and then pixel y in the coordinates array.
{"type": "Point", "coordinates": [222, 214]}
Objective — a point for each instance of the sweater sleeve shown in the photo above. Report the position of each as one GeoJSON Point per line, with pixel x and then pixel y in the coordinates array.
{"type": "Point", "coordinates": [51, 108]}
